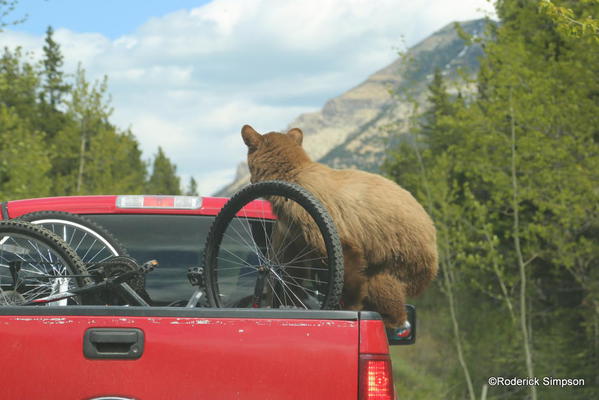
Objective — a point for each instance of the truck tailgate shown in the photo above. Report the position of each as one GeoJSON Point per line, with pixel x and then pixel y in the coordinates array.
{"type": "Point", "coordinates": [187, 354]}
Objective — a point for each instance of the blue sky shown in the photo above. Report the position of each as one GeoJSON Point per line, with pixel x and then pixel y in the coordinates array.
{"type": "Point", "coordinates": [112, 18]}
{"type": "Point", "coordinates": [186, 75]}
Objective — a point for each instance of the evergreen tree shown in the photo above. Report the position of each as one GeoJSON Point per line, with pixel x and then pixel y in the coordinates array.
{"type": "Point", "coordinates": [431, 134]}
{"type": "Point", "coordinates": [192, 187]}
{"type": "Point", "coordinates": [441, 105]}
{"type": "Point", "coordinates": [115, 164]}
{"type": "Point", "coordinates": [54, 87]}
{"type": "Point", "coordinates": [135, 169]}
{"type": "Point", "coordinates": [164, 179]}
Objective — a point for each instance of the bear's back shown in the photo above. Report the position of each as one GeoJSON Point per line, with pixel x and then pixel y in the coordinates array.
{"type": "Point", "coordinates": [373, 214]}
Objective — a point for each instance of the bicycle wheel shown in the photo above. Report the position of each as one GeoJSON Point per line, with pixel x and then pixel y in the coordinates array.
{"type": "Point", "coordinates": [33, 264]}
{"type": "Point", "coordinates": [92, 242]}
{"type": "Point", "coordinates": [252, 261]}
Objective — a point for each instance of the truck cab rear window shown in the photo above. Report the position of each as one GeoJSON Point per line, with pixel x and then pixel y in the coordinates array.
{"type": "Point", "coordinates": [176, 241]}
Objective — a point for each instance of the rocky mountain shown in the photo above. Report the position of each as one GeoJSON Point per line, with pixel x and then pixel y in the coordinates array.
{"type": "Point", "coordinates": [355, 129]}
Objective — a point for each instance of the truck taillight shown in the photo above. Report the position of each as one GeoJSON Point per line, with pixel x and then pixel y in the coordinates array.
{"type": "Point", "coordinates": [376, 377]}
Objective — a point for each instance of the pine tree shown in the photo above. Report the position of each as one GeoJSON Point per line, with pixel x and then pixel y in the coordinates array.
{"type": "Point", "coordinates": [54, 88]}
{"type": "Point", "coordinates": [115, 165]}
{"type": "Point", "coordinates": [192, 187]}
{"type": "Point", "coordinates": [164, 179]}
{"type": "Point", "coordinates": [432, 133]}
{"type": "Point", "coordinates": [441, 105]}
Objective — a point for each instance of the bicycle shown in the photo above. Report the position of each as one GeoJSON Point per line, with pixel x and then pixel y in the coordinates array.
{"type": "Point", "coordinates": [249, 261]}
{"type": "Point", "coordinates": [91, 241]}
{"type": "Point", "coordinates": [37, 253]}
{"type": "Point", "coordinates": [39, 268]}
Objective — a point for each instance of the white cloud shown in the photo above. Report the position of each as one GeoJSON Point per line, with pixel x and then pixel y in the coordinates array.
{"type": "Point", "coordinates": [189, 80]}
{"type": "Point", "coordinates": [209, 182]}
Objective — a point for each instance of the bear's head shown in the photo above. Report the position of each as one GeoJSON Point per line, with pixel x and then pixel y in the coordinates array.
{"type": "Point", "coordinates": [274, 155]}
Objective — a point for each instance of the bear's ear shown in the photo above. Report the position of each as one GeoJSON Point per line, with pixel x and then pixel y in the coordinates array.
{"type": "Point", "coordinates": [250, 136]}
{"type": "Point", "coordinates": [297, 135]}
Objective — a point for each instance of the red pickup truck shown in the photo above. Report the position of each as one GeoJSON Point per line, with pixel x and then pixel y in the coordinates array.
{"type": "Point", "coordinates": [167, 352]}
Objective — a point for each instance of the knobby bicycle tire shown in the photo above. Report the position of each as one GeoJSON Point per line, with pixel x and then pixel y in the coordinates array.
{"type": "Point", "coordinates": [49, 219]}
{"type": "Point", "coordinates": [289, 191]}
{"type": "Point", "coordinates": [76, 229]}
{"type": "Point", "coordinates": [36, 237]}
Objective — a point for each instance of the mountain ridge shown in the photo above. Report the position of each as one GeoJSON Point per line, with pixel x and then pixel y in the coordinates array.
{"type": "Point", "coordinates": [352, 130]}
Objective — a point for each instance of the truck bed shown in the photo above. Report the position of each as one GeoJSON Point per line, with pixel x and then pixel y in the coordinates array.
{"type": "Point", "coordinates": [215, 354]}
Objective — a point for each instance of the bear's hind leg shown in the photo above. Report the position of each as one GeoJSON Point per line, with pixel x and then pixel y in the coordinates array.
{"type": "Point", "coordinates": [355, 289]}
{"type": "Point", "coordinates": [387, 295]}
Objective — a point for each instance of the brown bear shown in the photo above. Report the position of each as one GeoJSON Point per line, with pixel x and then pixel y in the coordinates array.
{"type": "Point", "coordinates": [388, 239]}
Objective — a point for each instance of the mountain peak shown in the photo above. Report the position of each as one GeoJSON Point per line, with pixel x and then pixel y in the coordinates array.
{"type": "Point", "coordinates": [350, 130]}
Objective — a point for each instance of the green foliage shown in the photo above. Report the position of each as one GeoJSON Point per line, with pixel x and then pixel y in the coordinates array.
{"type": "Point", "coordinates": [510, 178]}
{"type": "Point", "coordinates": [88, 108]}
{"type": "Point", "coordinates": [24, 161]}
{"type": "Point", "coordinates": [568, 23]}
{"type": "Point", "coordinates": [116, 165]}
{"type": "Point", "coordinates": [19, 82]}
{"type": "Point", "coordinates": [56, 137]}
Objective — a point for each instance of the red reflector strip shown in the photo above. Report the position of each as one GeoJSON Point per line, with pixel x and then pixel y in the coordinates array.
{"type": "Point", "coordinates": [376, 377]}
{"type": "Point", "coordinates": [159, 202]}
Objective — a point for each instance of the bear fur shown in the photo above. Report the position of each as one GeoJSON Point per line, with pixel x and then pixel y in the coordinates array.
{"type": "Point", "coordinates": [388, 239]}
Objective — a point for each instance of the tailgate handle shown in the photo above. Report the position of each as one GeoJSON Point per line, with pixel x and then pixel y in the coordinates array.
{"type": "Point", "coordinates": [113, 343]}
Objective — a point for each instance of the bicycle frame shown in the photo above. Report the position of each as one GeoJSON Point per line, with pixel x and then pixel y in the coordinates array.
{"type": "Point", "coordinates": [117, 284]}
